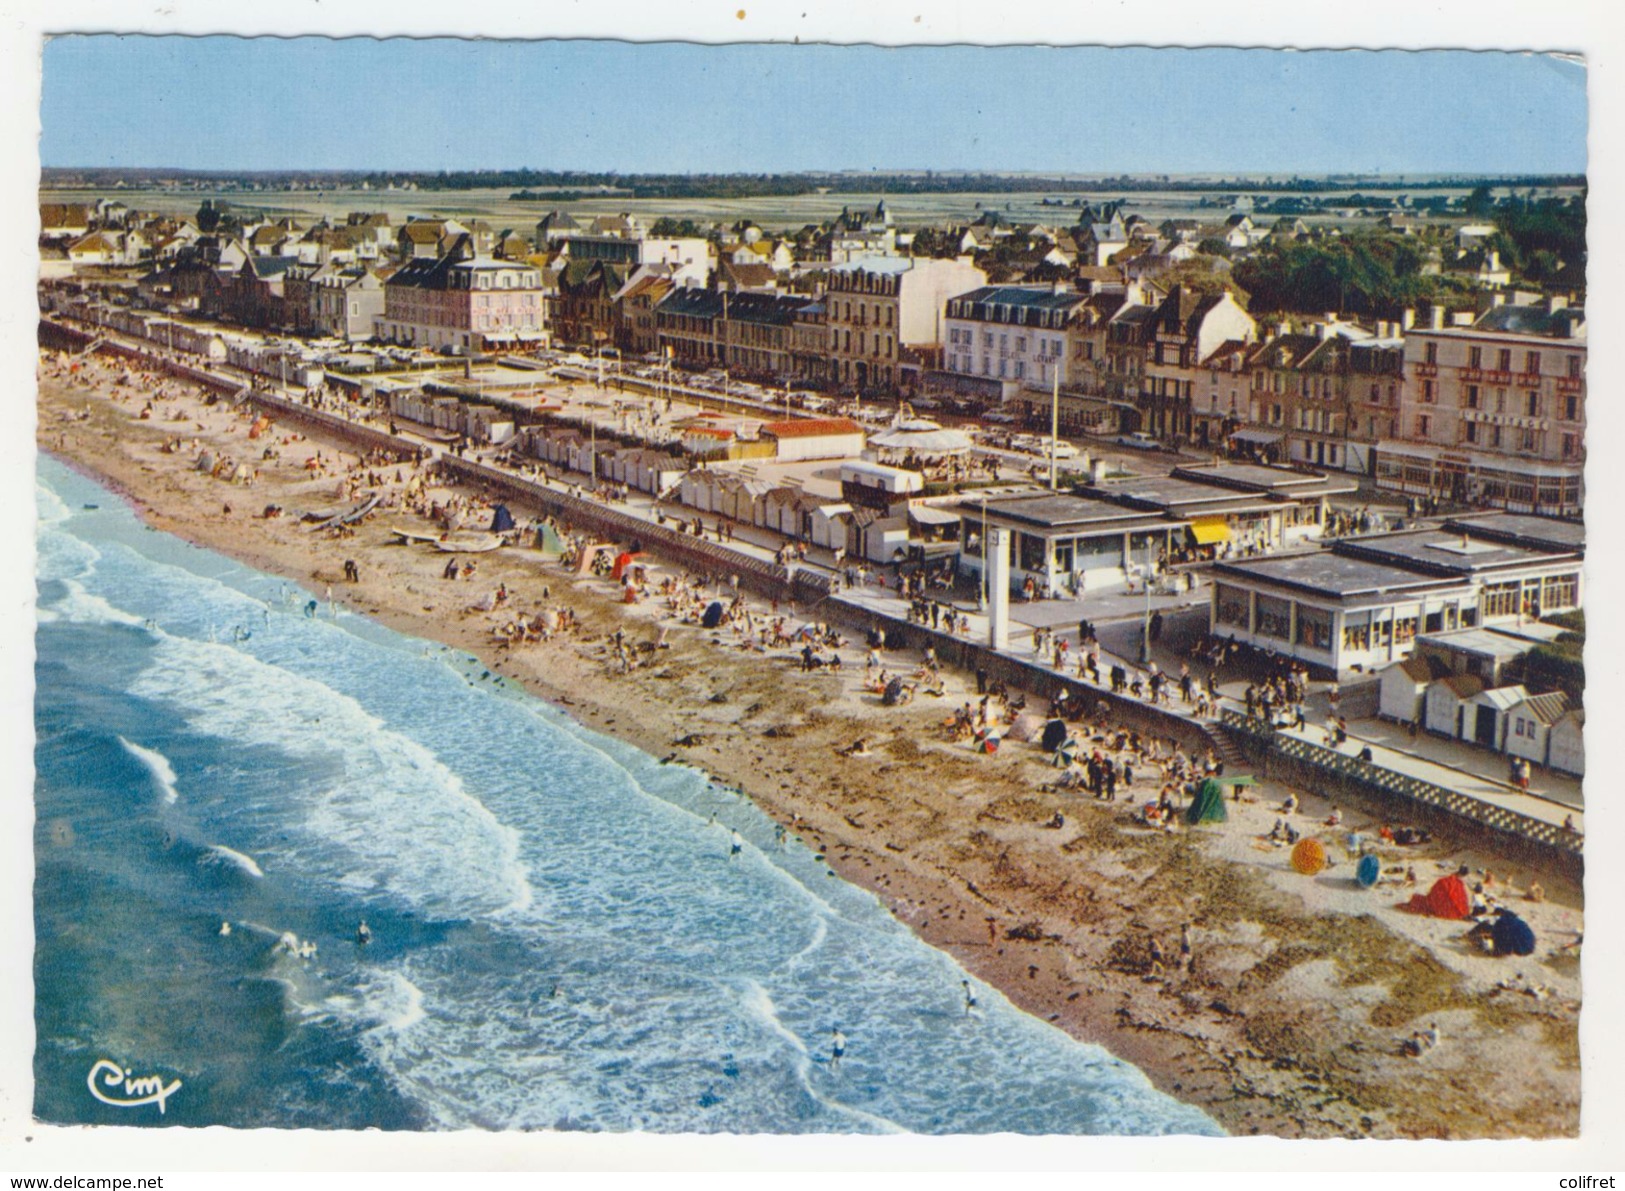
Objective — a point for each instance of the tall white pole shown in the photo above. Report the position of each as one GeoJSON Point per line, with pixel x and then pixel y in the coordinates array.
{"type": "Point", "coordinates": [1054, 425]}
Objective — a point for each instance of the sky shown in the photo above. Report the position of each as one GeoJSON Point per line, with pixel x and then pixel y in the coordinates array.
{"type": "Point", "coordinates": [319, 103]}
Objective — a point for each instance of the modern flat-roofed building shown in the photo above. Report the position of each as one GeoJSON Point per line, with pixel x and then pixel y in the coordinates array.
{"type": "Point", "coordinates": [1362, 604]}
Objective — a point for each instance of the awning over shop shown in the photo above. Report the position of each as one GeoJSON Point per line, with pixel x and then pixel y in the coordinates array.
{"type": "Point", "coordinates": [926, 515]}
{"type": "Point", "coordinates": [1263, 437]}
{"type": "Point", "coordinates": [1209, 530]}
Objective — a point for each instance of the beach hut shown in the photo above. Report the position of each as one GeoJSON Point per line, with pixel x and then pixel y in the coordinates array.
{"type": "Point", "coordinates": [1442, 705]}
{"type": "Point", "coordinates": [1484, 716]}
{"type": "Point", "coordinates": [502, 520]}
{"type": "Point", "coordinates": [1529, 726]}
{"type": "Point", "coordinates": [829, 522]}
{"type": "Point", "coordinates": [1403, 685]}
{"type": "Point", "coordinates": [1565, 747]}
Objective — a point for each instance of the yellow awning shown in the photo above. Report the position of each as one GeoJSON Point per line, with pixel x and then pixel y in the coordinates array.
{"type": "Point", "coordinates": [1209, 530]}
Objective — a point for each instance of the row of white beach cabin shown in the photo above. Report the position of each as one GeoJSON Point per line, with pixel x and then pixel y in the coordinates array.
{"type": "Point", "coordinates": [1542, 728]}
{"type": "Point", "coordinates": [743, 496]}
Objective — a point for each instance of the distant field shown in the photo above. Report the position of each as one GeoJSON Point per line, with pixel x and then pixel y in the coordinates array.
{"type": "Point", "coordinates": [775, 213]}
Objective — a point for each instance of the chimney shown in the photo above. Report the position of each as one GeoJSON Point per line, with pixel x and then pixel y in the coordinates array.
{"type": "Point", "coordinates": [1436, 317]}
{"type": "Point", "coordinates": [1556, 302]}
{"type": "Point", "coordinates": [1498, 299]}
{"type": "Point", "coordinates": [1320, 330]}
{"type": "Point", "coordinates": [1407, 319]}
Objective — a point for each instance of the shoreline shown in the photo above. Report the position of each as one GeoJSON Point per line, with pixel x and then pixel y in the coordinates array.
{"type": "Point", "coordinates": [1278, 1032]}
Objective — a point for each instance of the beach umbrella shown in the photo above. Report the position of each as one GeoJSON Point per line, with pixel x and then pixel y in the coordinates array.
{"type": "Point", "coordinates": [988, 744]}
{"type": "Point", "coordinates": [205, 461]}
{"type": "Point", "coordinates": [1055, 734]}
{"type": "Point", "coordinates": [1208, 805]}
{"type": "Point", "coordinates": [1368, 870]}
{"type": "Point", "coordinates": [712, 616]}
{"type": "Point", "coordinates": [1309, 857]}
{"type": "Point", "coordinates": [1512, 935]}
{"type": "Point", "coordinates": [1066, 753]}
{"type": "Point", "coordinates": [1447, 899]}
{"type": "Point", "coordinates": [501, 520]}
{"type": "Point", "coordinates": [1025, 726]}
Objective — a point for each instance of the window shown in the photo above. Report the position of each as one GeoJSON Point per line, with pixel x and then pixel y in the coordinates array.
{"type": "Point", "coordinates": [1427, 392]}
{"type": "Point", "coordinates": [1469, 431]}
{"type": "Point", "coordinates": [1500, 401]}
{"type": "Point", "coordinates": [1503, 360]}
{"type": "Point", "coordinates": [1424, 425]}
{"type": "Point", "coordinates": [1357, 631]}
{"type": "Point", "coordinates": [1531, 362]}
{"type": "Point", "coordinates": [1430, 352]}
{"type": "Point", "coordinates": [1230, 605]}
{"type": "Point", "coordinates": [1475, 357]}
{"type": "Point", "coordinates": [1472, 396]}
{"type": "Point", "coordinates": [1314, 628]}
{"type": "Point", "coordinates": [1274, 618]}
{"type": "Point", "coordinates": [1560, 591]}
{"type": "Point", "coordinates": [1532, 404]}
{"type": "Point", "coordinates": [1526, 439]}
{"type": "Point", "coordinates": [1495, 436]}
{"type": "Point", "coordinates": [1499, 599]}
{"type": "Point", "coordinates": [1571, 446]}
{"type": "Point", "coordinates": [1574, 367]}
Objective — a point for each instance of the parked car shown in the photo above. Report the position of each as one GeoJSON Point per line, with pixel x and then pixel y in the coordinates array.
{"type": "Point", "coordinates": [1139, 440]}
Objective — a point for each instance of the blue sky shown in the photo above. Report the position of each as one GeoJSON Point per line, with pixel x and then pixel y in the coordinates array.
{"type": "Point", "coordinates": [317, 103]}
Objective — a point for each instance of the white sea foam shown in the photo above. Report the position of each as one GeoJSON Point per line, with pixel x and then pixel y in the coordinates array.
{"type": "Point", "coordinates": [220, 854]}
{"type": "Point", "coordinates": [392, 812]}
{"type": "Point", "coordinates": [49, 507]}
{"type": "Point", "coordinates": [81, 607]}
{"type": "Point", "coordinates": [163, 773]}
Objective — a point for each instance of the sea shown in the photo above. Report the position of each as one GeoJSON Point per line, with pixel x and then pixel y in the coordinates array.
{"type": "Point", "coordinates": [562, 937]}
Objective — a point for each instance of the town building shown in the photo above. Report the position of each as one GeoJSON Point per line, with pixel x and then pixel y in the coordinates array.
{"type": "Point", "coordinates": [1362, 604]}
{"type": "Point", "coordinates": [1493, 414]}
{"type": "Point", "coordinates": [877, 306]}
{"type": "Point", "coordinates": [463, 302]}
{"type": "Point", "coordinates": [1011, 332]}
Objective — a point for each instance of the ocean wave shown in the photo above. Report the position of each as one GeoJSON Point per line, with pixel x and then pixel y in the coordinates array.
{"type": "Point", "coordinates": [392, 812]}
{"type": "Point", "coordinates": [49, 508]}
{"type": "Point", "coordinates": [163, 773]}
{"type": "Point", "coordinates": [80, 606]}
{"type": "Point", "coordinates": [62, 556]}
{"type": "Point", "coordinates": [220, 854]}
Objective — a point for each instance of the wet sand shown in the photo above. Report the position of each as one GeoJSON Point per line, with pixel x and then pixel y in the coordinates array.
{"type": "Point", "coordinates": [1301, 989]}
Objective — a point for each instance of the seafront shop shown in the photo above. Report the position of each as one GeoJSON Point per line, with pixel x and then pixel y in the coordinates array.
{"type": "Point", "coordinates": [1064, 543]}
{"type": "Point", "coordinates": [1362, 604]}
{"type": "Point", "coordinates": [1524, 486]}
{"type": "Point", "coordinates": [1234, 509]}
{"type": "Point", "coordinates": [1334, 612]}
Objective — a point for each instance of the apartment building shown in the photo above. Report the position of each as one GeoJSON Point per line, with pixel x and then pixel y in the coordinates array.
{"type": "Point", "coordinates": [463, 302]}
{"type": "Point", "coordinates": [1012, 332]}
{"type": "Point", "coordinates": [875, 306]}
{"type": "Point", "coordinates": [1492, 411]}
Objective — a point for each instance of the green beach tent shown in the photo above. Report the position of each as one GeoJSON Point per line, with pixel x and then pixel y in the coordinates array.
{"type": "Point", "coordinates": [1208, 805]}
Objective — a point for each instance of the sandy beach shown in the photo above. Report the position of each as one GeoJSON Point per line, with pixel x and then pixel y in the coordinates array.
{"type": "Point", "coordinates": [1290, 1018]}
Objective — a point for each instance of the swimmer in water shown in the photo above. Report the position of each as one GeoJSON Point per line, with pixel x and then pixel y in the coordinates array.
{"type": "Point", "coordinates": [736, 845]}
{"type": "Point", "coordinates": [225, 929]}
{"type": "Point", "coordinates": [837, 1048]}
{"type": "Point", "coordinates": [363, 933]}
{"type": "Point", "coordinates": [970, 997]}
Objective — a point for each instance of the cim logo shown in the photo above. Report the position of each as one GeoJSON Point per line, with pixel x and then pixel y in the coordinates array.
{"type": "Point", "coordinates": [128, 1090]}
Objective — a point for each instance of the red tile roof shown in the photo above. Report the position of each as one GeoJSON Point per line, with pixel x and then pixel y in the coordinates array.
{"type": "Point", "coordinates": [808, 427]}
